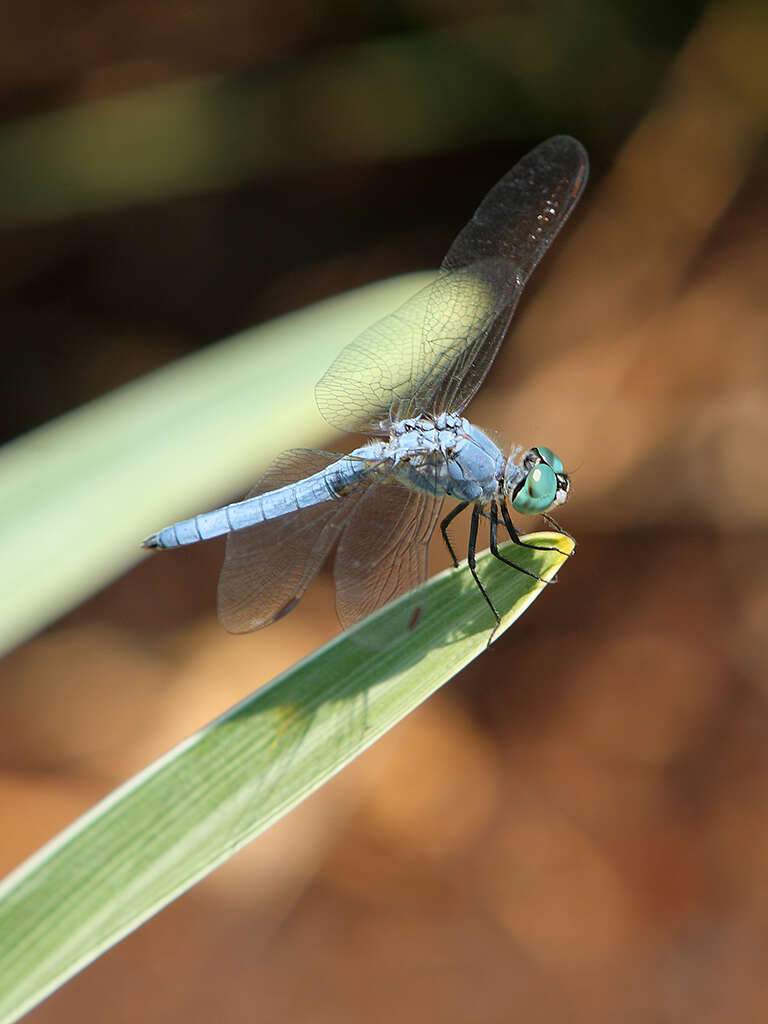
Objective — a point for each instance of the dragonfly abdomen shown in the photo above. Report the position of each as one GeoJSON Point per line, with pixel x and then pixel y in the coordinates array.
{"type": "Point", "coordinates": [327, 485]}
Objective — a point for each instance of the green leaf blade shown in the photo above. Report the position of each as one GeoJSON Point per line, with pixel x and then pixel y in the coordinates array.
{"type": "Point", "coordinates": [173, 823]}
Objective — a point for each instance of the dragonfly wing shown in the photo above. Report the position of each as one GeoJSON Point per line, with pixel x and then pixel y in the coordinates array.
{"type": "Point", "coordinates": [374, 379]}
{"type": "Point", "coordinates": [434, 352]}
{"type": "Point", "coordinates": [268, 567]}
{"type": "Point", "coordinates": [498, 251]}
{"type": "Point", "coordinates": [383, 549]}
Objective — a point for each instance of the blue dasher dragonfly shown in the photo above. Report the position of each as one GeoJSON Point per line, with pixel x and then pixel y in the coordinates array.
{"type": "Point", "coordinates": [405, 383]}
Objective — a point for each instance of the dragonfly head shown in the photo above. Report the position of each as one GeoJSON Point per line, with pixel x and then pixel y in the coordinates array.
{"type": "Point", "coordinates": [543, 485]}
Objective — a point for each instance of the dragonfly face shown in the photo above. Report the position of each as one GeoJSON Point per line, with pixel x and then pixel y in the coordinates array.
{"type": "Point", "coordinates": [544, 486]}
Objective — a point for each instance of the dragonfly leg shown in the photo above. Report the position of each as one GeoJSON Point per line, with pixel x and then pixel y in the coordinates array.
{"type": "Point", "coordinates": [444, 530]}
{"type": "Point", "coordinates": [559, 529]}
{"type": "Point", "coordinates": [471, 563]}
{"type": "Point", "coordinates": [494, 517]}
{"type": "Point", "coordinates": [514, 534]}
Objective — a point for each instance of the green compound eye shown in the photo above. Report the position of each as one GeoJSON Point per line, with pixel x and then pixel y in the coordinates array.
{"type": "Point", "coordinates": [550, 458]}
{"type": "Point", "coordinates": [539, 490]}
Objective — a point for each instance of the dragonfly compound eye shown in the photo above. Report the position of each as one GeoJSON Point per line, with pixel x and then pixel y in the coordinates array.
{"type": "Point", "coordinates": [548, 456]}
{"type": "Point", "coordinates": [538, 492]}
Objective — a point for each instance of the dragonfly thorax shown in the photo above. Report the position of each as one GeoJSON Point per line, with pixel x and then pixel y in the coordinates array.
{"type": "Point", "coordinates": [446, 455]}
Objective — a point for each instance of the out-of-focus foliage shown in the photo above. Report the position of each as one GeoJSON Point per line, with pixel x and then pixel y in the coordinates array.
{"type": "Point", "coordinates": [394, 96]}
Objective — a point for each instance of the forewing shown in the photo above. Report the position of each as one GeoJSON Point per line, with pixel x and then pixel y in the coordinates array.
{"type": "Point", "coordinates": [494, 256]}
{"type": "Point", "coordinates": [383, 549]}
{"type": "Point", "coordinates": [268, 567]}
{"type": "Point", "coordinates": [433, 353]}
{"type": "Point", "coordinates": [374, 379]}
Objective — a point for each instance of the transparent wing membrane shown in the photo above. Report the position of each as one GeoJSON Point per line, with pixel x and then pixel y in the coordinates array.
{"type": "Point", "coordinates": [268, 567]}
{"type": "Point", "coordinates": [432, 354]}
{"type": "Point", "coordinates": [383, 549]}
{"type": "Point", "coordinates": [373, 379]}
{"type": "Point", "coordinates": [384, 529]}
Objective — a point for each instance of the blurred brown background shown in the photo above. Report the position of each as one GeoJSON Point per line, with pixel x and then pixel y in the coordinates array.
{"type": "Point", "coordinates": [577, 827]}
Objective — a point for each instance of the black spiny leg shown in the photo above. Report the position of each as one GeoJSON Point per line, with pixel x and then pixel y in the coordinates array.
{"type": "Point", "coordinates": [515, 536]}
{"type": "Point", "coordinates": [471, 563]}
{"type": "Point", "coordinates": [494, 517]}
{"type": "Point", "coordinates": [559, 529]}
{"type": "Point", "coordinates": [444, 530]}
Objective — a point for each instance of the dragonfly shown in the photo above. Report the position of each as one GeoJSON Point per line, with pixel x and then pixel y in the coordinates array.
{"type": "Point", "coordinates": [405, 382]}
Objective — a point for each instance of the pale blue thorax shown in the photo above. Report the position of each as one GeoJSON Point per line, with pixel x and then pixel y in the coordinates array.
{"type": "Point", "coordinates": [447, 456]}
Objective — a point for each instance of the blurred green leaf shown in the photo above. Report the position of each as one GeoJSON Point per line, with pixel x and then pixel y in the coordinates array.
{"type": "Point", "coordinates": [510, 76]}
{"type": "Point", "coordinates": [188, 812]}
{"type": "Point", "coordinates": [80, 493]}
